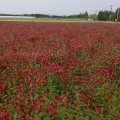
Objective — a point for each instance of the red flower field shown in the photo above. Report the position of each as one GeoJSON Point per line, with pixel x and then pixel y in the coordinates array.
{"type": "Point", "coordinates": [59, 71]}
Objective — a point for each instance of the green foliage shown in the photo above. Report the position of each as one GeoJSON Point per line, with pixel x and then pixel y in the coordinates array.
{"type": "Point", "coordinates": [108, 15]}
{"type": "Point", "coordinates": [103, 15]}
{"type": "Point", "coordinates": [93, 16]}
{"type": "Point", "coordinates": [78, 71]}
{"type": "Point", "coordinates": [81, 15]}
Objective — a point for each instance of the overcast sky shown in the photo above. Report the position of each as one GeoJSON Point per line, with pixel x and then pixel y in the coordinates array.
{"type": "Point", "coordinates": [56, 7]}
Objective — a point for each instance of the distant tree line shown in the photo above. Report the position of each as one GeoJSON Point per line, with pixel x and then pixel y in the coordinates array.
{"type": "Point", "coordinates": [9, 15]}
{"type": "Point", "coordinates": [102, 15]}
{"type": "Point", "coordinates": [81, 15]}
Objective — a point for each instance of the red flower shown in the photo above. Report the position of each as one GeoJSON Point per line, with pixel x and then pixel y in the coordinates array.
{"type": "Point", "coordinates": [31, 86]}
{"type": "Point", "coordinates": [46, 110]}
{"type": "Point", "coordinates": [45, 90]}
{"type": "Point", "coordinates": [75, 103]}
{"type": "Point", "coordinates": [51, 115]}
{"type": "Point", "coordinates": [61, 97]}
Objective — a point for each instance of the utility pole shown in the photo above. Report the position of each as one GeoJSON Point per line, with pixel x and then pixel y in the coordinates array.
{"type": "Point", "coordinates": [110, 12]}
{"type": "Point", "coordinates": [118, 14]}
{"type": "Point", "coordinates": [96, 15]}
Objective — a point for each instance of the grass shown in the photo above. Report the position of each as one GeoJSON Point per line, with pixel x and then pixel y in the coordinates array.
{"type": "Point", "coordinates": [52, 20]}
{"type": "Point", "coordinates": [42, 19]}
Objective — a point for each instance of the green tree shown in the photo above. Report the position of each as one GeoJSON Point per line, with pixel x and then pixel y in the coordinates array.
{"type": "Point", "coordinates": [86, 15]}
{"type": "Point", "coordinates": [101, 15]}
{"type": "Point", "coordinates": [93, 16]}
{"type": "Point", "coordinates": [104, 15]}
